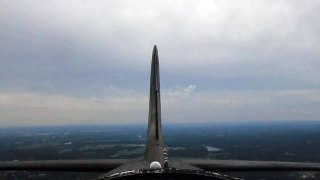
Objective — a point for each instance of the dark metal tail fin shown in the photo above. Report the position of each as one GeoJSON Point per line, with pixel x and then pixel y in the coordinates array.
{"type": "Point", "coordinates": [155, 145]}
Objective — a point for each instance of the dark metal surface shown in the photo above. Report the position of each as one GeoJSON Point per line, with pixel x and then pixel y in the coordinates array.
{"type": "Point", "coordinates": [169, 173]}
{"type": "Point", "coordinates": [155, 145]}
{"type": "Point", "coordinates": [155, 149]}
{"type": "Point", "coordinates": [243, 165]}
{"type": "Point", "coordinates": [93, 165]}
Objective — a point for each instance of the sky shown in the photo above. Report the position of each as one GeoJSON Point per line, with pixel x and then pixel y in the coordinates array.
{"type": "Point", "coordinates": [88, 62]}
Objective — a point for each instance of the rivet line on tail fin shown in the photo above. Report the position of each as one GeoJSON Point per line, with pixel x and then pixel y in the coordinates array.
{"type": "Point", "coordinates": [157, 109]}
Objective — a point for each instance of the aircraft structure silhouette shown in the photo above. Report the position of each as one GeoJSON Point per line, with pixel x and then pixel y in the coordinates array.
{"type": "Point", "coordinates": [156, 164]}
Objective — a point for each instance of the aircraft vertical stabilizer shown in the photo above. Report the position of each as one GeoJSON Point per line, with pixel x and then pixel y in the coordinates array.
{"type": "Point", "coordinates": [155, 145]}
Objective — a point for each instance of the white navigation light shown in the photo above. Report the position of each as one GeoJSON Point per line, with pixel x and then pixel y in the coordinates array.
{"type": "Point", "coordinates": [155, 165]}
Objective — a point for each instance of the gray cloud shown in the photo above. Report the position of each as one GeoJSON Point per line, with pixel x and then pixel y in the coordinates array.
{"type": "Point", "coordinates": [81, 50]}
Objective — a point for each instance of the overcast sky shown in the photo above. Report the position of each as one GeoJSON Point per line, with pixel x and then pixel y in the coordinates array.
{"type": "Point", "coordinates": [88, 62]}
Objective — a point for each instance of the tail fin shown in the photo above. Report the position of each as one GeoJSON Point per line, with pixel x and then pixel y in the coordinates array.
{"type": "Point", "coordinates": [155, 145]}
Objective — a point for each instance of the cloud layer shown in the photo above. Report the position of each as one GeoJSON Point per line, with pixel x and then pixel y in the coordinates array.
{"type": "Point", "coordinates": [89, 61]}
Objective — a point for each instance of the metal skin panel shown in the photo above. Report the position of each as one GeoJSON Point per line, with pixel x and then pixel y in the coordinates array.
{"type": "Point", "coordinates": [155, 145]}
